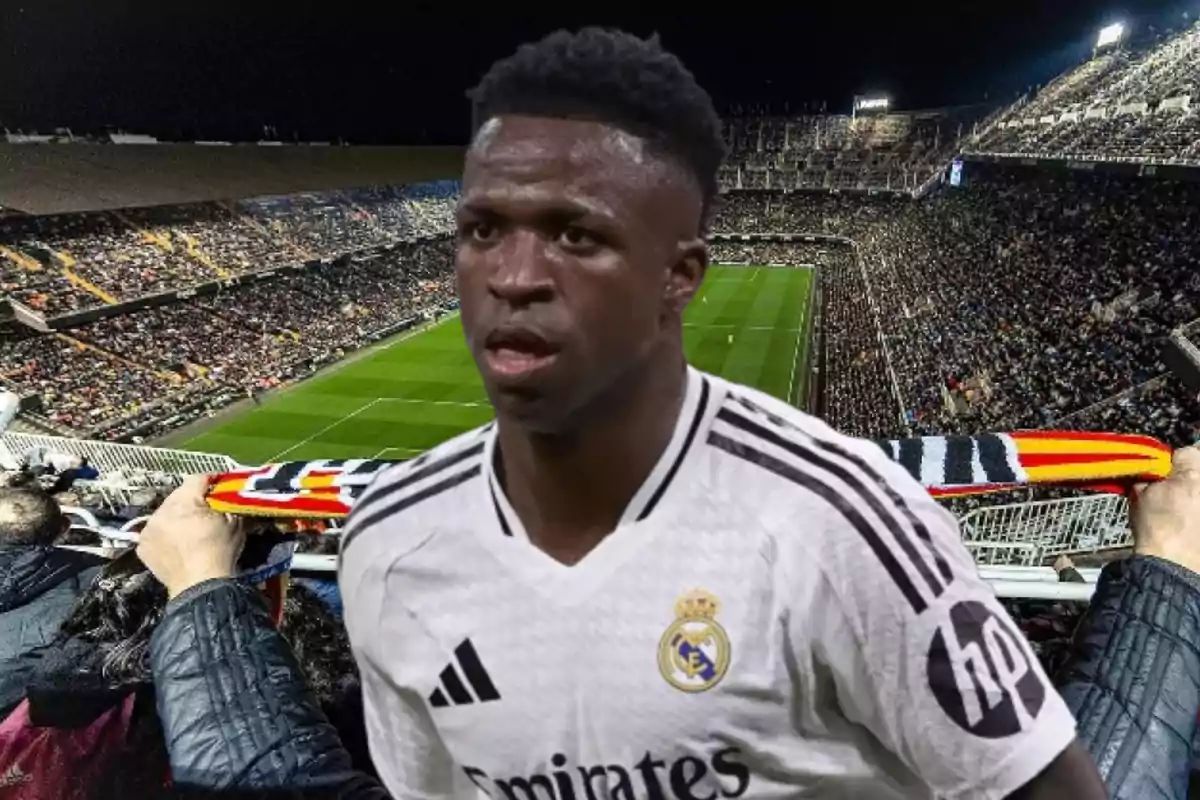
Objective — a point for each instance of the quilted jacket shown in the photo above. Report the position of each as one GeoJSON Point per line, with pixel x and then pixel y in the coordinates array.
{"type": "Point", "coordinates": [236, 712]}
{"type": "Point", "coordinates": [38, 589]}
{"type": "Point", "coordinates": [1133, 681]}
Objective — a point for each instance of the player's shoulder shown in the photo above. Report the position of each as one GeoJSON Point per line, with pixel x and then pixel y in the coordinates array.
{"type": "Point", "coordinates": [407, 486]}
{"type": "Point", "coordinates": [804, 452]}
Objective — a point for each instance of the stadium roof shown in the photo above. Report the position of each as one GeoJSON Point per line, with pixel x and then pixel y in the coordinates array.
{"type": "Point", "coordinates": [73, 177]}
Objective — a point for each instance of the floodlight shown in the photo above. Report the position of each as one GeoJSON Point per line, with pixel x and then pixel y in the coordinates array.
{"type": "Point", "coordinates": [1110, 34]}
{"type": "Point", "coordinates": [871, 104]}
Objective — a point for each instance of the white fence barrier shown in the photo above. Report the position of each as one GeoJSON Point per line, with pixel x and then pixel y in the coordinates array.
{"type": "Point", "coordinates": [112, 457]}
{"type": "Point", "coordinates": [1031, 533]}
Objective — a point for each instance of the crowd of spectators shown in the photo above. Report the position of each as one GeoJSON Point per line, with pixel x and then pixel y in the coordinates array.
{"type": "Point", "coordinates": [62, 264]}
{"type": "Point", "coordinates": [1026, 299]}
{"type": "Point", "coordinates": [327, 224]}
{"type": "Point", "coordinates": [272, 318]}
{"type": "Point", "coordinates": [894, 151]}
{"type": "Point", "coordinates": [1138, 101]}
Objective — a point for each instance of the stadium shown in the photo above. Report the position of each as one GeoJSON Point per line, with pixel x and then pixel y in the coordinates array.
{"type": "Point", "coordinates": [183, 308]}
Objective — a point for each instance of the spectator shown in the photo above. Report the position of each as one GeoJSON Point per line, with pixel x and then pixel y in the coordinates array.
{"type": "Point", "coordinates": [39, 583]}
{"type": "Point", "coordinates": [1133, 679]}
{"type": "Point", "coordinates": [204, 600]}
{"type": "Point", "coordinates": [88, 728]}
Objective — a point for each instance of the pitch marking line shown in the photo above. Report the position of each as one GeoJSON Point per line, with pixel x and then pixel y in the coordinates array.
{"type": "Point", "coordinates": [716, 326]}
{"type": "Point", "coordinates": [420, 402]}
{"type": "Point", "coordinates": [326, 429]}
{"type": "Point", "coordinates": [331, 370]}
{"type": "Point", "coordinates": [376, 401]}
{"type": "Point", "coordinates": [795, 359]}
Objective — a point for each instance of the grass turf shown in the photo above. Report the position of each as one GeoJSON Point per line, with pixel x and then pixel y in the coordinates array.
{"type": "Point", "coordinates": [749, 324]}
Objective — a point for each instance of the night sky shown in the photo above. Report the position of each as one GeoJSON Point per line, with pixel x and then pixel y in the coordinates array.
{"type": "Point", "coordinates": [184, 70]}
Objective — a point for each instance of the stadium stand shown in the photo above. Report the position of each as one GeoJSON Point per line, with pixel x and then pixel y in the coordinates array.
{"type": "Point", "coordinates": [1140, 102]}
{"type": "Point", "coordinates": [46, 175]}
{"type": "Point", "coordinates": [898, 152]}
{"type": "Point", "coordinates": [246, 296]}
{"type": "Point", "coordinates": [1028, 299]}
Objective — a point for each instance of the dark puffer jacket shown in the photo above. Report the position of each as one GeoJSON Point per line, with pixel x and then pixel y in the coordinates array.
{"type": "Point", "coordinates": [237, 714]}
{"type": "Point", "coordinates": [236, 711]}
{"type": "Point", "coordinates": [1133, 681]}
{"type": "Point", "coordinates": [38, 589]}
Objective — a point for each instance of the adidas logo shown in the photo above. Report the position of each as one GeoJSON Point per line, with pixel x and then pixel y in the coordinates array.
{"type": "Point", "coordinates": [452, 687]}
{"type": "Point", "coordinates": [13, 776]}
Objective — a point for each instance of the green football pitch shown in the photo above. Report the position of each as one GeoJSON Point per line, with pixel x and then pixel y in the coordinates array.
{"type": "Point", "coordinates": [403, 396]}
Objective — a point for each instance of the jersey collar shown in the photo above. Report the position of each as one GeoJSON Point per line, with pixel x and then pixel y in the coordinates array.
{"type": "Point", "coordinates": [693, 415]}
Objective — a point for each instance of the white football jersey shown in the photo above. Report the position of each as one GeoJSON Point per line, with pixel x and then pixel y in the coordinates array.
{"type": "Point", "coordinates": [781, 612]}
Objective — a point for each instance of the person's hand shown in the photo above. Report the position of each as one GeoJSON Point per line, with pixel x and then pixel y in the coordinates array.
{"type": "Point", "coordinates": [185, 542]}
{"type": "Point", "coordinates": [1165, 516]}
{"type": "Point", "coordinates": [1063, 562]}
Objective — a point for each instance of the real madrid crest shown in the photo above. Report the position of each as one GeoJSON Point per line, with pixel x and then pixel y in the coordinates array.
{"type": "Point", "coordinates": [693, 653]}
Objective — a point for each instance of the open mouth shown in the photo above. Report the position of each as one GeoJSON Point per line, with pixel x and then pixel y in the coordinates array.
{"type": "Point", "coordinates": [518, 351]}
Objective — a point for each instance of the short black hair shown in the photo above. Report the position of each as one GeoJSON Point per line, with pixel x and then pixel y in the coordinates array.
{"type": "Point", "coordinates": [29, 515]}
{"type": "Point", "coordinates": [616, 78]}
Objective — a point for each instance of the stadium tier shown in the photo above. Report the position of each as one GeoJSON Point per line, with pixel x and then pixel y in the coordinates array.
{"type": "Point", "coordinates": [891, 152]}
{"type": "Point", "coordinates": [1139, 102]}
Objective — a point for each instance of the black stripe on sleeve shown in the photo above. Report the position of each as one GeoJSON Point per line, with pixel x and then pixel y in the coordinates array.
{"type": "Point", "coordinates": [477, 676]}
{"type": "Point", "coordinates": [834, 499]}
{"type": "Point", "coordinates": [382, 492]}
{"type": "Point", "coordinates": [887, 516]}
{"type": "Point", "coordinates": [918, 525]}
{"type": "Point", "coordinates": [362, 523]}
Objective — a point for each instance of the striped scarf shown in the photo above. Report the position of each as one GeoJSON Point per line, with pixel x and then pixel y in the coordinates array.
{"type": "Point", "coordinates": [952, 466]}
{"type": "Point", "coordinates": [948, 466]}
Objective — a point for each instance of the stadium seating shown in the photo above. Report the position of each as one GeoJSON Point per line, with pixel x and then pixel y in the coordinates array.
{"type": "Point", "coordinates": [66, 263]}
{"type": "Point", "coordinates": [1027, 300]}
{"type": "Point", "coordinates": [1137, 103]}
{"type": "Point", "coordinates": [331, 272]}
{"type": "Point", "coordinates": [896, 152]}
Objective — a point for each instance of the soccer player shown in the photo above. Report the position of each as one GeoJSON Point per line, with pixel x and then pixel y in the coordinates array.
{"type": "Point", "coordinates": [645, 581]}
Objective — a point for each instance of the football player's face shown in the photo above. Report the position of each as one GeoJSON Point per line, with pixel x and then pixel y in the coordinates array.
{"type": "Point", "coordinates": [568, 263]}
